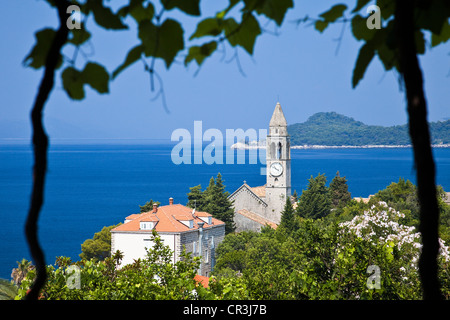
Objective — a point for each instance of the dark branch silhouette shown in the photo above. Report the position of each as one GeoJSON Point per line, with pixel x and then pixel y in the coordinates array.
{"type": "Point", "coordinates": [40, 145]}
{"type": "Point", "coordinates": [420, 138]}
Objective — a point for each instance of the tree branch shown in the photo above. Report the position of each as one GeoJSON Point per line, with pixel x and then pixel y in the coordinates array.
{"type": "Point", "coordinates": [40, 145]}
{"type": "Point", "coordinates": [420, 138]}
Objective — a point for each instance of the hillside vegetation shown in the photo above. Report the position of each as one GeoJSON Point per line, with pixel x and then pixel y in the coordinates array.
{"type": "Point", "coordinates": [333, 129]}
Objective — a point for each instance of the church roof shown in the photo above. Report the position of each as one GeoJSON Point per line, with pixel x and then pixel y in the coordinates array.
{"type": "Point", "coordinates": [259, 191]}
{"type": "Point", "coordinates": [168, 219]}
{"type": "Point", "coordinates": [278, 119]}
{"type": "Point", "coordinates": [257, 218]}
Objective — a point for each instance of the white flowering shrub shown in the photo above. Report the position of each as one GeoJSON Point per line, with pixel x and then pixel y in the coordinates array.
{"type": "Point", "coordinates": [381, 225]}
{"type": "Point", "coordinates": [377, 237]}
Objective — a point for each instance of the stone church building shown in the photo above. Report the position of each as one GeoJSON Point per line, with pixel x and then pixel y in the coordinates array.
{"type": "Point", "coordinates": [257, 206]}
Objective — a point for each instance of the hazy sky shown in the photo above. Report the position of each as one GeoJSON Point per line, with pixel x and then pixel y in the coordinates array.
{"type": "Point", "coordinates": [299, 67]}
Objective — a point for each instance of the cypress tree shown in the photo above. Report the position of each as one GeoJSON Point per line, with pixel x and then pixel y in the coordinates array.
{"type": "Point", "coordinates": [287, 217]}
{"type": "Point", "coordinates": [315, 200]}
{"type": "Point", "coordinates": [339, 193]}
{"type": "Point", "coordinates": [216, 203]}
{"type": "Point", "coordinates": [195, 198]}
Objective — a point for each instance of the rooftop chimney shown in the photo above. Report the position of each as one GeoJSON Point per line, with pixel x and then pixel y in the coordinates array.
{"type": "Point", "coordinates": [170, 201]}
{"type": "Point", "coordinates": [155, 208]}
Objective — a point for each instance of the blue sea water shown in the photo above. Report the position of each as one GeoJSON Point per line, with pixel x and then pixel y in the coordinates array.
{"type": "Point", "coordinates": [89, 186]}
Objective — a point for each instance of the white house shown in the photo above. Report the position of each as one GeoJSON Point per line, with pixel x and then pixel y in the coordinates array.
{"type": "Point", "coordinates": [178, 226]}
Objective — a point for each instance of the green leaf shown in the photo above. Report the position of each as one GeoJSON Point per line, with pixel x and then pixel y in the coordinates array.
{"type": "Point", "coordinates": [171, 41]}
{"type": "Point", "coordinates": [104, 16]}
{"type": "Point", "coordinates": [199, 53]}
{"type": "Point", "coordinates": [79, 36]}
{"type": "Point", "coordinates": [359, 5]}
{"type": "Point", "coordinates": [275, 9]}
{"type": "Point", "coordinates": [141, 13]}
{"type": "Point", "coordinates": [72, 80]}
{"type": "Point", "coordinates": [434, 16]}
{"type": "Point", "coordinates": [221, 14]}
{"type": "Point", "coordinates": [96, 76]}
{"type": "Point", "coordinates": [387, 8]}
{"type": "Point", "coordinates": [148, 33]}
{"type": "Point", "coordinates": [207, 27]}
{"type": "Point", "coordinates": [321, 25]}
{"type": "Point", "coordinates": [132, 56]}
{"type": "Point", "coordinates": [365, 56]}
{"type": "Point", "coordinates": [360, 30]}
{"type": "Point", "coordinates": [37, 56]}
{"type": "Point", "coordinates": [243, 34]}
{"type": "Point", "coordinates": [442, 37]}
{"type": "Point", "coordinates": [387, 56]}
{"type": "Point", "coordinates": [162, 42]}
{"type": "Point", "coordinates": [191, 7]}
{"type": "Point", "coordinates": [334, 13]}
{"type": "Point", "coordinates": [93, 74]}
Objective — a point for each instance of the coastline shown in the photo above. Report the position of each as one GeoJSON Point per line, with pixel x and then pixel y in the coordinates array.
{"type": "Point", "coordinates": [241, 146]}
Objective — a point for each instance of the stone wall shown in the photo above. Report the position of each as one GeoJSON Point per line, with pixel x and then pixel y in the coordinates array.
{"type": "Point", "coordinates": [190, 240]}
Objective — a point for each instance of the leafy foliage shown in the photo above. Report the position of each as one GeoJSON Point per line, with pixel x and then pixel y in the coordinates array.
{"type": "Point", "coordinates": [213, 200]}
{"type": "Point", "coordinates": [432, 17]}
{"type": "Point", "coordinates": [37, 56]}
{"type": "Point", "coordinates": [288, 221]}
{"type": "Point", "coordinates": [325, 258]}
{"type": "Point", "coordinates": [93, 74]}
{"type": "Point", "coordinates": [152, 278]}
{"type": "Point", "coordinates": [330, 258]}
{"type": "Point", "coordinates": [99, 247]}
{"type": "Point", "coordinates": [148, 206]}
{"type": "Point", "coordinates": [314, 202]}
{"type": "Point", "coordinates": [8, 290]}
{"type": "Point", "coordinates": [339, 193]}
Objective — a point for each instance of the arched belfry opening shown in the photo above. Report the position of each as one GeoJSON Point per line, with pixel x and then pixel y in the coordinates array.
{"type": "Point", "coordinates": [279, 150]}
{"type": "Point", "coordinates": [272, 150]}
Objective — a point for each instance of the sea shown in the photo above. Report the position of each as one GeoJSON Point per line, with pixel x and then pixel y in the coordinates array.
{"type": "Point", "coordinates": [94, 184]}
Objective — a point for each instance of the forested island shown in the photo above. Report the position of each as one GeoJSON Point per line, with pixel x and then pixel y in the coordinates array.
{"type": "Point", "coordinates": [331, 129]}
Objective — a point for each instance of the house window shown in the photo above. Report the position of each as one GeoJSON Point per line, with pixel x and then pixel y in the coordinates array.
{"type": "Point", "coordinates": [188, 223]}
{"type": "Point", "coordinates": [146, 225]}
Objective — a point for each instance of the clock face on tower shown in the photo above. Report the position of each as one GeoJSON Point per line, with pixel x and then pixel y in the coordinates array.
{"type": "Point", "coordinates": [276, 169]}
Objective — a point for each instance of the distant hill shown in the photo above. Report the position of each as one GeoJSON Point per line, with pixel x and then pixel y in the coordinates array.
{"type": "Point", "coordinates": [333, 129]}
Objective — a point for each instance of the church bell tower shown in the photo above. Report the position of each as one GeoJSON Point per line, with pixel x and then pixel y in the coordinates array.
{"type": "Point", "coordinates": [278, 161]}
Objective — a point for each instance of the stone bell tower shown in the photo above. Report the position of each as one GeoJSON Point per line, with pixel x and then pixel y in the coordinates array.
{"type": "Point", "coordinates": [278, 161]}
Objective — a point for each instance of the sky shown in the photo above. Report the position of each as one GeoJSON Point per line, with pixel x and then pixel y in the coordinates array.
{"type": "Point", "coordinates": [299, 67]}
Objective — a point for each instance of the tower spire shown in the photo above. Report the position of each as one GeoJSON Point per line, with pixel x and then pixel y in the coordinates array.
{"type": "Point", "coordinates": [278, 119]}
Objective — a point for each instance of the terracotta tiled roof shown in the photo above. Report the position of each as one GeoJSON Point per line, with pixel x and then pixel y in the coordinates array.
{"type": "Point", "coordinates": [257, 218]}
{"type": "Point", "coordinates": [168, 219]}
{"type": "Point", "coordinates": [202, 214]}
{"type": "Point", "coordinates": [133, 216]}
{"type": "Point", "coordinates": [204, 281]}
